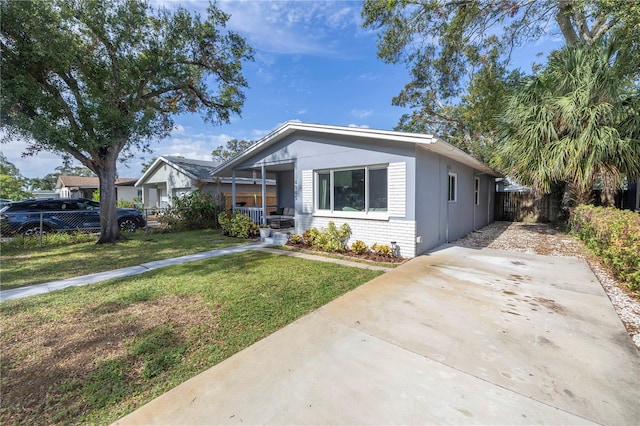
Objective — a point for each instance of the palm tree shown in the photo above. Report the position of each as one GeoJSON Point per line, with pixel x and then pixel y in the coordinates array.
{"type": "Point", "coordinates": [577, 122]}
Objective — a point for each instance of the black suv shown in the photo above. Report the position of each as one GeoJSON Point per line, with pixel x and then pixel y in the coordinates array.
{"type": "Point", "coordinates": [61, 215]}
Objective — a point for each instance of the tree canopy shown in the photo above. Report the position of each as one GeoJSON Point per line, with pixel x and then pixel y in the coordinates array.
{"type": "Point", "coordinates": [459, 52]}
{"type": "Point", "coordinates": [12, 183]}
{"type": "Point", "coordinates": [98, 80]}
{"type": "Point", "coordinates": [229, 150]}
{"type": "Point", "coordinates": [578, 122]}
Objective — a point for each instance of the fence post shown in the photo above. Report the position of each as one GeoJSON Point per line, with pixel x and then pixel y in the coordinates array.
{"type": "Point", "coordinates": [41, 213]}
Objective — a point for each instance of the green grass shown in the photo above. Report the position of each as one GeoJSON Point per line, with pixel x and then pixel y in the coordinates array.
{"type": "Point", "coordinates": [95, 353]}
{"type": "Point", "coordinates": [24, 266]}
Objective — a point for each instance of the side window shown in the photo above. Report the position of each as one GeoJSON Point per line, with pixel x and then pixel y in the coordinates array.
{"type": "Point", "coordinates": [453, 187]}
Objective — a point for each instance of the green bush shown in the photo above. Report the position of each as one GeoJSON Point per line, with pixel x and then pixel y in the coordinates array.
{"type": "Point", "coordinates": [196, 210]}
{"type": "Point", "coordinates": [382, 249]}
{"type": "Point", "coordinates": [310, 235]}
{"type": "Point", "coordinates": [332, 239]}
{"type": "Point", "coordinates": [614, 236]}
{"type": "Point", "coordinates": [296, 239]}
{"type": "Point", "coordinates": [239, 225]}
{"type": "Point", "coordinates": [359, 247]}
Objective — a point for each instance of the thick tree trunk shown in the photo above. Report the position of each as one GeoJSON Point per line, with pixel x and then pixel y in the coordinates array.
{"type": "Point", "coordinates": [109, 229]}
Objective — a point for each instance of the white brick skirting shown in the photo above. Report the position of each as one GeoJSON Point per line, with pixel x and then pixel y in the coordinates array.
{"type": "Point", "coordinates": [397, 189]}
{"type": "Point", "coordinates": [403, 232]}
{"type": "Point", "coordinates": [307, 191]}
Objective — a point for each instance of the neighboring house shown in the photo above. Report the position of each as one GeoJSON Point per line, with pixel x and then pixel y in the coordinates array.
{"type": "Point", "coordinates": [412, 189]}
{"type": "Point", "coordinates": [170, 177]}
{"type": "Point", "coordinates": [85, 186]}
{"type": "Point", "coordinates": [633, 194]}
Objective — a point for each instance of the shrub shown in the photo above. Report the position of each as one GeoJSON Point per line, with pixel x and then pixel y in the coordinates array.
{"type": "Point", "coordinates": [196, 210]}
{"type": "Point", "coordinates": [296, 239]}
{"type": "Point", "coordinates": [614, 236]}
{"type": "Point", "coordinates": [332, 239]}
{"type": "Point", "coordinates": [239, 225]}
{"type": "Point", "coordinates": [310, 235]}
{"type": "Point", "coordinates": [359, 247]}
{"type": "Point", "coordinates": [382, 250]}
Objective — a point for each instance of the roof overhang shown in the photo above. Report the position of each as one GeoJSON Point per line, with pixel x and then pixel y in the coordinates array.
{"type": "Point", "coordinates": [428, 142]}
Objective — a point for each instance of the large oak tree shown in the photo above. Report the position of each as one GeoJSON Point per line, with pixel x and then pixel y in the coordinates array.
{"type": "Point", "coordinates": [97, 80]}
{"type": "Point", "coordinates": [459, 53]}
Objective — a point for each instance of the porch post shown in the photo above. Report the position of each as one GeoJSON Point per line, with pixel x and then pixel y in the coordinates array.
{"type": "Point", "coordinates": [233, 191]}
{"type": "Point", "coordinates": [263, 172]}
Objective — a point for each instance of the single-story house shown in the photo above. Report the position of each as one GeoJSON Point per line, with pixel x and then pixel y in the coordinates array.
{"type": "Point", "coordinates": [85, 186]}
{"type": "Point", "coordinates": [170, 177]}
{"type": "Point", "coordinates": [414, 190]}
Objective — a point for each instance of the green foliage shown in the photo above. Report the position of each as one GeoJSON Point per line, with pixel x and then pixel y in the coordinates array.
{"type": "Point", "coordinates": [232, 148]}
{"type": "Point", "coordinates": [577, 122]}
{"type": "Point", "coordinates": [382, 249]}
{"type": "Point", "coordinates": [238, 226]}
{"type": "Point", "coordinates": [310, 235]}
{"type": "Point", "coordinates": [196, 210]}
{"type": "Point", "coordinates": [459, 54]}
{"type": "Point", "coordinates": [296, 239]}
{"type": "Point", "coordinates": [98, 80]}
{"type": "Point", "coordinates": [96, 195]}
{"type": "Point", "coordinates": [12, 184]}
{"type": "Point", "coordinates": [613, 235]}
{"type": "Point", "coordinates": [332, 239]}
{"type": "Point", "coordinates": [359, 247]}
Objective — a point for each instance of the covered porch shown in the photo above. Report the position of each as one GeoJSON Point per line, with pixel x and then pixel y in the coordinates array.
{"type": "Point", "coordinates": [278, 216]}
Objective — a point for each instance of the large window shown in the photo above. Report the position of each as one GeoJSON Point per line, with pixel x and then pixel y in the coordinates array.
{"type": "Point", "coordinates": [352, 190]}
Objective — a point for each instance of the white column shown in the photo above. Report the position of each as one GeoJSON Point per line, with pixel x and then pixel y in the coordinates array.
{"type": "Point", "coordinates": [263, 172]}
{"type": "Point", "coordinates": [233, 190]}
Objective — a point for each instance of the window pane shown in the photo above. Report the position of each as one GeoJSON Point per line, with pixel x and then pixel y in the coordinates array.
{"type": "Point", "coordinates": [348, 187]}
{"type": "Point", "coordinates": [378, 190]}
{"type": "Point", "coordinates": [324, 191]}
{"type": "Point", "coordinates": [452, 187]}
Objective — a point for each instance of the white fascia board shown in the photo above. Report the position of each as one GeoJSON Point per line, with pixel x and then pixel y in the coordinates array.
{"type": "Point", "coordinates": [151, 170]}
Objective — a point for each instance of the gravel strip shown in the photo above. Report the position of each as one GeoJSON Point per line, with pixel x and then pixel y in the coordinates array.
{"type": "Point", "coordinates": [546, 239]}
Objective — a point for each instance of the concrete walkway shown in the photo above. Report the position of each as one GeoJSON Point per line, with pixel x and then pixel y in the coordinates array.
{"type": "Point", "coordinates": [460, 336]}
{"type": "Point", "coordinates": [18, 293]}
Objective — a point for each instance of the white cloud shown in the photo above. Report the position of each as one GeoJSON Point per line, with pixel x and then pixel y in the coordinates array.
{"type": "Point", "coordinates": [361, 113]}
{"type": "Point", "coordinates": [359, 126]}
{"type": "Point", "coordinates": [302, 112]}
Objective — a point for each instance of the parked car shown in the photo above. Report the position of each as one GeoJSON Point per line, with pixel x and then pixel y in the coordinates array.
{"type": "Point", "coordinates": [61, 215]}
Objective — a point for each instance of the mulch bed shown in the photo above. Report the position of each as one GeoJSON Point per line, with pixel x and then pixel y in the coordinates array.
{"type": "Point", "coordinates": [370, 257]}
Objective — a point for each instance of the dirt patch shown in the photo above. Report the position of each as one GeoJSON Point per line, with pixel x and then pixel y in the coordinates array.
{"type": "Point", "coordinates": [40, 355]}
{"type": "Point", "coordinates": [551, 240]}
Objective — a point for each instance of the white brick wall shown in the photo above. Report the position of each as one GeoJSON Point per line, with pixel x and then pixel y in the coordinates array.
{"type": "Point", "coordinates": [397, 189]}
{"type": "Point", "coordinates": [307, 191]}
{"type": "Point", "coordinates": [403, 232]}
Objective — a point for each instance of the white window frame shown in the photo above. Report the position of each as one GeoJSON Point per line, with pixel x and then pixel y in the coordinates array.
{"type": "Point", "coordinates": [367, 213]}
{"type": "Point", "coordinates": [453, 199]}
{"type": "Point", "coordinates": [476, 190]}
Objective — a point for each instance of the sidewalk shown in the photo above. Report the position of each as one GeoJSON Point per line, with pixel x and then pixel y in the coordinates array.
{"type": "Point", "coordinates": [18, 293]}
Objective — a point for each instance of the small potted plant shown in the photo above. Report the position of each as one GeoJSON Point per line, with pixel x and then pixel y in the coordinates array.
{"type": "Point", "coordinates": [265, 231]}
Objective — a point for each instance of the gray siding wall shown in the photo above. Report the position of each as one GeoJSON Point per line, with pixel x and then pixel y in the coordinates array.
{"type": "Point", "coordinates": [438, 220]}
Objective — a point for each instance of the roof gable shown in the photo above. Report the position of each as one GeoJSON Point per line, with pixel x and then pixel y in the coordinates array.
{"type": "Point", "coordinates": [428, 142]}
{"type": "Point", "coordinates": [194, 169]}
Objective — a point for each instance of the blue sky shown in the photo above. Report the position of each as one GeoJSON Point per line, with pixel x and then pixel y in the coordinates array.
{"type": "Point", "coordinates": [313, 63]}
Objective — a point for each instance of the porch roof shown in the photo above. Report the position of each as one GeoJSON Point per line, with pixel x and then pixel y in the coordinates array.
{"type": "Point", "coordinates": [427, 142]}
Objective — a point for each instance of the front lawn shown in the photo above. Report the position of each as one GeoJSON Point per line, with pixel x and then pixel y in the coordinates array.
{"type": "Point", "coordinates": [21, 267]}
{"type": "Point", "coordinates": [95, 353]}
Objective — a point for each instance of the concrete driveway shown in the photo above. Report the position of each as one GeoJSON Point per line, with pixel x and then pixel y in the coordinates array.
{"type": "Point", "coordinates": [459, 336]}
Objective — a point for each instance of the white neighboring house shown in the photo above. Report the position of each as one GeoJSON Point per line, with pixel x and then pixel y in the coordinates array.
{"type": "Point", "coordinates": [170, 177]}
{"type": "Point", "coordinates": [85, 186]}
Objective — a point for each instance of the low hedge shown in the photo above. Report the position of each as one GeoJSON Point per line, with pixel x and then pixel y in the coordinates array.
{"type": "Point", "coordinates": [614, 236]}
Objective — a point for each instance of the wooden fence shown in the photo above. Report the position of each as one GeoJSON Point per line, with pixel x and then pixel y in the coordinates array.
{"type": "Point", "coordinates": [252, 199]}
{"type": "Point", "coordinates": [524, 207]}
